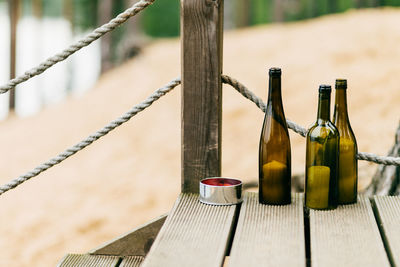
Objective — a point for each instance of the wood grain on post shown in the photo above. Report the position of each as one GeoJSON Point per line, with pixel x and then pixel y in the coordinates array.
{"type": "Point", "coordinates": [201, 31]}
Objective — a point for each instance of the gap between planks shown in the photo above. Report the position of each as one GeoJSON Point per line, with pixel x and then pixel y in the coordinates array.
{"type": "Point", "coordinates": [194, 234]}
{"type": "Point", "coordinates": [269, 235]}
{"type": "Point", "coordinates": [346, 236]}
{"type": "Point", "coordinates": [88, 260]}
{"type": "Point", "coordinates": [387, 212]}
{"type": "Point", "coordinates": [273, 235]}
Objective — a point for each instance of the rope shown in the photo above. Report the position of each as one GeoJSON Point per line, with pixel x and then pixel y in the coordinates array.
{"type": "Point", "coordinates": [89, 140]}
{"type": "Point", "coordinates": [259, 103]}
{"type": "Point", "coordinates": [385, 160]}
{"type": "Point", "coordinates": [90, 38]}
{"type": "Point", "coordinates": [146, 103]}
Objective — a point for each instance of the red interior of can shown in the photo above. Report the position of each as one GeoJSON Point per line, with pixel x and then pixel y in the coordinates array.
{"type": "Point", "coordinates": [221, 182]}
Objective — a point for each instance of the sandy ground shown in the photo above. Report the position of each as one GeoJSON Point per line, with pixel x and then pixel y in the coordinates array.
{"type": "Point", "coordinates": [133, 174]}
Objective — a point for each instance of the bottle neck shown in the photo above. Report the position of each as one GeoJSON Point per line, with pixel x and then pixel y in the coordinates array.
{"type": "Point", "coordinates": [274, 92]}
{"type": "Point", "coordinates": [340, 112]}
{"type": "Point", "coordinates": [324, 105]}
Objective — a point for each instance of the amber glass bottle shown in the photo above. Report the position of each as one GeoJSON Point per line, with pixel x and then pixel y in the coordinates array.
{"type": "Point", "coordinates": [274, 150]}
{"type": "Point", "coordinates": [348, 170]}
{"type": "Point", "coordinates": [322, 155]}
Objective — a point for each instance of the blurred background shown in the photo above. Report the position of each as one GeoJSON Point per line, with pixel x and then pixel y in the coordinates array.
{"type": "Point", "coordinates": [50, 25]}
{"type": "Point", "coordinates": [133, 174]}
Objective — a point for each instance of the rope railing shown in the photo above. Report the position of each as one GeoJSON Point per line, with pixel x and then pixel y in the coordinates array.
{"type": "Point", "coordinates": [301, 130]}
{"type": "Point", "coordinates": [146, 103]}
{"type": "Point", "coordinates": [90, 38]}
{"type": "Point", "coordinates": [258, 101]}
{"type": "Point", "coordinates": [90, 139]}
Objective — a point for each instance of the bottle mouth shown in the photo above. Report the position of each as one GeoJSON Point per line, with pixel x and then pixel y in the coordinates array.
{"type": "Point", "coordinates": [341, 84]}
{"type": "Point", "coordinates": [275, 72]}
{"type": "Point", "coordinates": [325, 88]}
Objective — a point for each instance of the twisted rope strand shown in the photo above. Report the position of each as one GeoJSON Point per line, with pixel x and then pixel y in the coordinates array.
{"type": "Point", "coordinates": [300, 130]}
{"type": "Point", "coordinates": [385, 160]}
{"type": "Point", "coordinates": [258, 101]}
{"type": "Point", "coordinates": [150, 100]}
{"type": "Point", "coordinates": [90, 38]}
{"type": "Point", "coordinates": [89, 140]}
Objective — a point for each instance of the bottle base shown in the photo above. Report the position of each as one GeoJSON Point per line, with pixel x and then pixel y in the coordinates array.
{"type": "Point", "coordinates": [348, 202]}
{"type": "Point", "coordinates": [275, 203]}
{"type": "Point", "coordinates": [321, 208]}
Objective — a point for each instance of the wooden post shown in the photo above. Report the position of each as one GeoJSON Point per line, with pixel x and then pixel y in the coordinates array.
{"type": "Point", "coordinates": [133, 38]}
{"type": "Point", "coordinates": [201, 51]}
{"type": "Point", "coordinates": [37, 8]}
{"type": "Point", "coordinates": [13, 11]}
{"type": "Point", "coordinates": [68, 12]}
{"type": "Point", "coordinates": [104, 15]}
{"type": "Point", "coordinates": [133, 24]}
{"type": "Point", "coordinates": [332, 6]}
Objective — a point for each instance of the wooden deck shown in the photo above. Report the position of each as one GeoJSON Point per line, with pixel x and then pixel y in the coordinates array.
{"type": "Point", "coordinates": [194, 234]}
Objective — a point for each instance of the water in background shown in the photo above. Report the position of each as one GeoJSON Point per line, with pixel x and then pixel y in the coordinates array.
{"type": "Point", "coordinates": [36, 41]}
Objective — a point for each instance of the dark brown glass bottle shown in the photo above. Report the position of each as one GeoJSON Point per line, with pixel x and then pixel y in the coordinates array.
{"type": "Point", "coordinates": [322, 155]}
{"type": "Point", "coordinates": [274, 150]}
{"type": "Point", "coordinates": [348, 169]}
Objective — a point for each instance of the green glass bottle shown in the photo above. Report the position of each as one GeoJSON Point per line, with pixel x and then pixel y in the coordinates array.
{"type": "Point", "coordinates": [348, 169]}
{"type": "Point", "coordinates": [275, 169]}
{"type": "Point", "coordinates": [322, 157]}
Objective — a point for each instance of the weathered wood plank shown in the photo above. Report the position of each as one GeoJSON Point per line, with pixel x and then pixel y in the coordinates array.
{"type": "Point", "coordinates": [346, 236]}
{"type": "Point", "coordinates": [135, 243]}
{"type": "Point", "coordinates": [269, 235]}
{"type": "Point", "coordinates": [388, 211]}
{"type": "Point", "coordinates": [86, 260]}
{"type": "Point", "coordinates": [133, 261]}
{"type": "Point", "coordinates": [201, 46]}
{"type": "Point", "coordinates": [194, 234]}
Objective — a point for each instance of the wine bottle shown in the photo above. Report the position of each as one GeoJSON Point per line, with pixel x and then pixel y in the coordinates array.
{"type": "Point", "coordinates": [348, 169]}
{"type": "Point", "coordinates": [322, 157]}
{"type": "Point", "coordinates": [274, 149]}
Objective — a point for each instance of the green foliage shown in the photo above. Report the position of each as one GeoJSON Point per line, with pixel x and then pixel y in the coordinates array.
{"type": "Point", "coordinates": [161, 19]}
{"type": "Point", "coordinates": [85, 13]}
{"type": "Point", "coordinates": [26, 6]}
{"type": "Point", "coordinates": [321, 7]}
{"type": "Point", "coordinates": [343, 5]}
{"type": "Point", "coordinates": [52, 8]}
{"type": "Point", "coordinates": [260, 11]}
{"type": "Point", "coordinates": [118, 33]}
{"type": "Point", "coordinates": [303, 11]}
{"type": "Point", "coordinates": [391, 2]}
